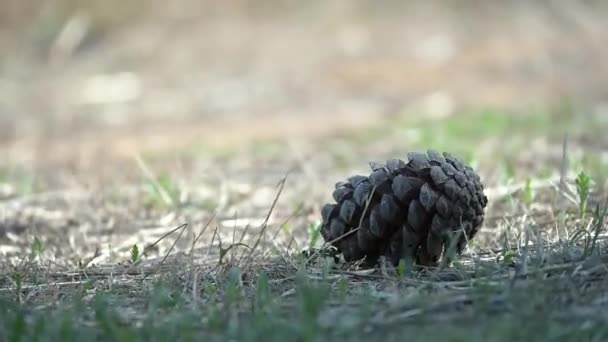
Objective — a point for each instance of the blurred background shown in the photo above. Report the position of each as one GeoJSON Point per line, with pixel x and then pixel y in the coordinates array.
{"type": "Point", "coordinates": [83, 81]}
{"type": "Point", "coordinates": [119, 119]}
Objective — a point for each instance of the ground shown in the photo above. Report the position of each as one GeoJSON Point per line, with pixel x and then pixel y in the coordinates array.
{"type": "Point", "coordinates": [164, 167]}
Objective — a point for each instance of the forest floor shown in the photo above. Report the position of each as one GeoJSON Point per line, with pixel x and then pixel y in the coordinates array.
{"type": "Point", "coordinates": [160, 180]}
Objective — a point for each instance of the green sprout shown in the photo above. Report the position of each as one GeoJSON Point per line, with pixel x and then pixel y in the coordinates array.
{"type": "Point", "coordinates": [583, 186]}
{"type": "Point", "coordinates": [315, 232]}
{"type": "Point", "coordinates": [37, 249]}
{"type": "Point", "coordinates": [162, 192]}
{"type": "Point", "coordinates": [528, 193]}
{"type": "Point", "coordinates": [135, 254]}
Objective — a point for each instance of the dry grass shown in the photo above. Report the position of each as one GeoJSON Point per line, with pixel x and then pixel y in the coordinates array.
{"type": "Point", "coordinates": [553, 291]}
{"type": "Point", "coordinates": [73, 272]}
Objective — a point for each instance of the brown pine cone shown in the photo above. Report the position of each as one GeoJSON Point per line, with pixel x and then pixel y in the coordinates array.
{"type": "Point", "coordinates": [416, 211]}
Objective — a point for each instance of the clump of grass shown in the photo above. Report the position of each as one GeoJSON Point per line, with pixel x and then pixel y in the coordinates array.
{"type": "Point", "coordinates": [162, 192]}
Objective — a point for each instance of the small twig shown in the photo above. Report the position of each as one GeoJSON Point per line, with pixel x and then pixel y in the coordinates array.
{"type": "Point", "coordinates": [149, 247]}
{"type": "Point", "coordinates": [232, 255]}
{"type": "Point", "coordinates": [562, 181]}
{"type": "Point", "coordinates": [183, 226]}
{"type": "Point", "coordinates": [212, 241]}
{"type": "Point", "coordinates": [281, 227]}
{"type": "Point", "coordinates": [281, 185]}
{"type": "Point", "coordinates": [201, 233]}
{"type": "Point", "coordinates": [40, 286]}
{"type": "Point", "coordinates": [95, 255]}
{"type": "Point", "coordinates": [247, 227]}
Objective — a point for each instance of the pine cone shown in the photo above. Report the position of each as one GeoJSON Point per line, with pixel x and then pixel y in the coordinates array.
{"type": "Point", "coordinates": [416, 211]}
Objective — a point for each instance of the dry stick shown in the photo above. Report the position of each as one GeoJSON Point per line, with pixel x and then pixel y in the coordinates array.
{"type": "Point", "coordinates": [201, 233]}
{"type": "Point", "coordinates": [562, 184]}
{"type": "Point", "coordinates": [276, 247]}
{"type": "Point", "coordinates": [183, 226]}
{"type": "Point", "coordinates": [599, 226]}
{"type": "Point", "coordinates": [247, 227]}
{"type": "Point", "coordinates": [147, 248]}
{"type": "Point", "coordinates": [281, 184]}
{"type": "Point", "coordinates": [223, 251]}
{"type": "Point", "coordinates": [292, 240]}
{"type": "Point", "coordinates": [95, 255]}
{"type": "Point", "coordinates": [212, 241]}
{"type": "Point", "coordinates": [289, 218]}
{"type": "Point", "coordinates": [280, 228]}
{"type": "Point", "coordinates": [197, 238]}
{"type": "Point", "coordinates": [219, 241]}
{"type": "Point", "coordinates": [174, 243]}
{"type": "Point", "coordinates": [112, 268]}
{"type": "Point", "coordinates": [91, 274]}
{"type": "Point", "coordinates": [265, 224]}
{"type": "Point", "coordinates": [291, 235]}
{"type": "Point", "coordinates": [236, 216]}
{"type": "Point", "coordinates": [245, 231]}
{"type": "Point", "coordinates": [40, 286]}
{"type": "Point", "coordinates": [364, 276]}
